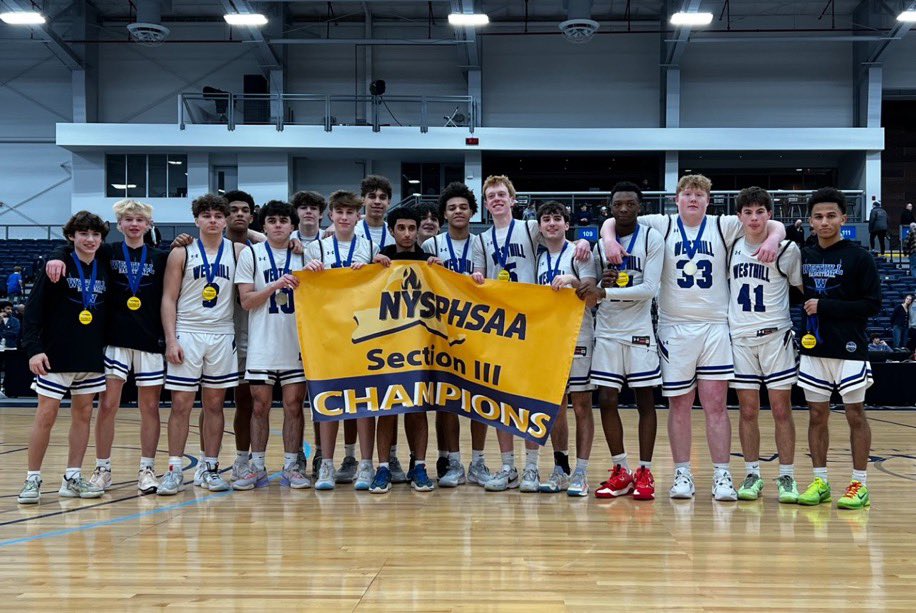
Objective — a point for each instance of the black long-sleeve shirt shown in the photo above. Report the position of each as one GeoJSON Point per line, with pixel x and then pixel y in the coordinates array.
{"type": "Point", "coordinates": [140, 329]}
{"type": "Point", "coordinates": [844, 279]}
{"type": "Point", "coordinates": [51, 322]}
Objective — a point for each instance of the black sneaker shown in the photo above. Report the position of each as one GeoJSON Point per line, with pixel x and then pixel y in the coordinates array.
{"type": "Point", "coordinates": [441, 467]}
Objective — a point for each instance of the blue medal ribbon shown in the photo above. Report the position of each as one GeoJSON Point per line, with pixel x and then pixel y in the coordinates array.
{"type": "Point", "coordinates": [87, 292]}
{"type": "Point", "coordinates": [459, 264]}
{"type": "Point", "coordinates": [554, 271]}
{"type": "Point", "coordinates": [625, 264]}
{"type": "Point", "coordinates": [814, 327]}
{"type": "Point", "coordinates": [210, 271]}
{"type": "Point", "coordinates": [502, 255]}
{"type": "Point", "coordinates": [133, 280]}
{"type": "Point", "coordinates": [273, 263]}
{"type": "Point", "coordinates": [690, 247]}
{"type": "Point", "coordinates": [369, 236]}
{"type": "Point", "coordinates": [349, 259]}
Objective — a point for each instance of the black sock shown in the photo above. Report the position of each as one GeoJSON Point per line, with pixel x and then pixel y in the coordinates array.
{"type": "Point", "coordinates": [562, 460]}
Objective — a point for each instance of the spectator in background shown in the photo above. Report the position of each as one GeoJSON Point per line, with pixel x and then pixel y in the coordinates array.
{"type": "Point", "coordinates": [584, 216]}
{"type": "Point", "coordinates": [603, 215]}
{"type": "Point", "coordinates": [877, 224]}
{"type": "Point", "coordinates": [796, 233]}
{"type": "Point", "coordinates": [10, 327]}
{"type": "Point", "coordinates": [19, 311]}
{"type": "Point", "coordinates": [14, 285]}
{"type": "Point", "coordinates": [909, 248]}
{"type": "Point", "coordinates": [906, 217]}
{"type": "Point", "coordinates": [153, 238]}
{"type": "Point", "coordinates": [256, 219]}
{"type": "Point", "coordinates": [530, 212]}
{"type": "Point", "coordinates": [877, 344]}
{"type": "Point", "coordinates": [900, 321]}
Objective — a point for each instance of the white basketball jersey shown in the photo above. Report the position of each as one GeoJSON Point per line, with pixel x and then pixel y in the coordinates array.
{"type": "Point", "coordinates": [563, 263]}
{"type": "Point", "coordinates": [519, 249]}
{"type": "Point", "coordinates": [701, 297]}
{"type": "Point", "coordinates": [380, 236]}
{"type": "Point", "coordinates": [195, 314]}
{"type": "Point", "coordinates": [273, 336]}
{"type": "Point", "coordinates": [459, 258]}
{"type": "Point", "coordinates": [305, 240]}
{"type": "Point", "coordinates": [324, 250]}
{"type": "Point", "coordinates": [626, 314]}
{"type": "Point", "coordinates": [759, 304]}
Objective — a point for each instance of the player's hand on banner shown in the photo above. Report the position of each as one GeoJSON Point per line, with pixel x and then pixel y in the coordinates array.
{"type": "Point", "coordinates": [174, 353]}
{"type": "Point", "coordinates": [583, 250]}
{"type": "Point", "coordinates": [182, 240]}
{"type": "Point", "coordinates": [434, 260]}
{"type": "Point", "coordinates": [590, 294]}
{"type": "Point", "coordinates": [384, 260]}
{"type": "Point", "coordinates": [561, 281]}
{"type": "Point", "coordinates": [39, 364]}
{"type": "Point", "coordinates": [478, 277]}
{"type": "Point", "coordinates": [358, 265]}
{"type": "Point", "coordinates": [55, 270]}
{"type": "Point", "coordinates": [609, 277]}
{"type": "Point", "coordinates": [614, 251]}
{"type": "Point", "coordinates": [811, 306]}
{"type": "Point", "coordinates": [286, 282]}
{"type": "Point", "coordinates": [314, 266]}
{"type": "Point", "coordinates": [296, 245]}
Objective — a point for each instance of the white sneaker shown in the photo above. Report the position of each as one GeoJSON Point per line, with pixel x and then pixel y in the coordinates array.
{"type": "Point", "coordinates": [172, 483]}
{"type": "Point", "coordinates": [455, 475]}
{"type": "Point", "coordinates": [531, 479]}
{"type": "Point", "coordinates": [505, 479]}
{"type": "Point", "coordinates": [147, 483]}
{"type": "Point", "coordinates": [199, 472]}
{"type": "Point", "coordinates": [326, 477]}
{"type": "Point", "coordinates": [479, 473]}
{"type": "Point", "coordinates": [214, 482]}
{"type": "Point", "coordinates": [365, 473]}
{"type": "Point", "coordinates": [239, 470]}
{"type": "Point", "coordinates": [77, 487]}
{"type": "Point", "coordinates": [101, 478]}
{"type": "Point", "coordinates": [558, 481]}
{"type": "Point", "coordinates": [683, 484]}
{"type": "Point", "coordinates": [722, 487]}
{"type": "Point", "coordinates": [31, 491]}
{"type": "Point", "coordinates": [578, 484]}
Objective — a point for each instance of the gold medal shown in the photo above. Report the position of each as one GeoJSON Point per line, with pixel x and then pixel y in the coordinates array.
{"type": "Point", "coordinates": [690, 268]}
{"type": "Point", "coordinates": [210, 292]}
{"type": "Point", "coordinates": [85, 317]}
{"type": "Point", "coordinates": [622, 279]}
{"type": "Point", "coordinates": [282, 299]}
{"type": "Point", "coordinates": [808, 341]}
{"type": "Point", "coordinates": [504, 275]}
{"type": "Point", "coordinates": [133, 303]}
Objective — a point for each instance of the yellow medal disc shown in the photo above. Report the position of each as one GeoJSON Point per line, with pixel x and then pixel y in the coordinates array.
{"type": "Point", "coordinates": [808, 341]}
{"type": "Point", "coordinates": [133, 303]}
{"type": "Point", "coordinates": [210, 293]}
{"type": "Point", "coordinates": [504, 275]}
{"type": "Point", "coordinates": [622, 279]}
{"type": "Point", "coordinates": [85, 317]}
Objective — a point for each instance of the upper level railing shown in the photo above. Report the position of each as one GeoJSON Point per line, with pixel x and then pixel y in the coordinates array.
{"type": "Point", "coordinates": [280, 110]}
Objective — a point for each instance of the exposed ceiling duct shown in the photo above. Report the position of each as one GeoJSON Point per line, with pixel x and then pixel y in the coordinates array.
{"type": "Point", "coordinates": [579, 26]}
{"type": "Point", "coordinates": [148, 29]}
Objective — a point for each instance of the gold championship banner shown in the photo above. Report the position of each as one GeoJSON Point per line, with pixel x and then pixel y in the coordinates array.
{"type": "Point", "coordinates": [414, 337]}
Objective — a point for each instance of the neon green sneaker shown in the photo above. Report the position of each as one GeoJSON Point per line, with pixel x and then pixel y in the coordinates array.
{"type": "Point", "coordinates": [856, 497]}
{"type": "Point", "coordinates": [788, 489]}
{"type": "Point", "coordinates": [817, 492]}
{"type": "Point", "coordinates": [751, 487]}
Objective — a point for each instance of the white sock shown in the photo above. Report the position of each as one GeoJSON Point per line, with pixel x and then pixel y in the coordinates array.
{"type": "Point", "coordinates": [33, 473]}
{"type": "Point", "coordinates": [820, 472]}
{"type": "Point", "coordinates": [419, 463]}
{"type": "Point", "coordinates": [684, 466]}
{"type": "Point", "coordinates": [454, 456]}
{"type": "Point", "coordinates": [175, 463]}
{"type": "Point", "coordinates": [350, 450]}
{"type": "Point", "coordinates": [647, 464]}
{"type": "Point", "coordinates": [290, 459]}
{"type": "Point", "coordinates": [257, 459]}
{"type": "Point", "coordinates": [382, 465]}
{"type": "Point", "coordinates": [443, 453]}
{"type": "Point", "coordinates": [241, 457]}
{"type": "Point", "coordinates": [103, 463]}
{"type": "Point", "coordinates": [508, 459]}
{"type": "Point", "coordinates": [720, 467]}
{"type": "Point", "coordinates": [147, 462]}
{"type": "Point", "coordinates": [752, 468]}
{"type": "Point", "coordinates": [531, 457]}
{"type": "Point", "coordinates": [476, 456]}
{"type": "Point", "coordinates": [365, 463]}
{"type": "Point", "coordinates": [859, 475]}
{"type": "Point", "coordinates": [581, 465]}
{"type": "Point", "coordinates": [72, 473]}
{"type": "Point", "coordinates": [212, 463]}
{"type": "Point", "coordinates": [787, 470]}
{"type": "Point", "coordinates": [327, 462]}
{"type": "Point", "coordinates": [621, 459]}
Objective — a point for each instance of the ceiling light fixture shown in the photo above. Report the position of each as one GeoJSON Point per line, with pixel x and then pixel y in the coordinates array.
{"type": "Point", "coordinates": [470, 20]}
{"type": "Point", "coordinates": [907, 16]}
{"type": "Point", "coordinates": [691, 19]}
{"type": "Point", "coordinates": [245, 19]}
{"type": "Point", "coordinates": [22, 18]}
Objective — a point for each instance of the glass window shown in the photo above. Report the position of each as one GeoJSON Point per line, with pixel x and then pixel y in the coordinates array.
{"type": "Point", "coordinates": [115, 175]}
{"type": "Point", "coordinates": [158, 187]}
{"type": "Point", "coordinates": [136, 176]}
{"type": "Point", "coordinates": [178, 176]}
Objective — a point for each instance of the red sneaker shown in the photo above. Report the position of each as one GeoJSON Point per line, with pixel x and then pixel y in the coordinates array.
{"type": "Point", "coordinates": [620, 483]}
{"type": "Point", "coordinates": [645, 484]}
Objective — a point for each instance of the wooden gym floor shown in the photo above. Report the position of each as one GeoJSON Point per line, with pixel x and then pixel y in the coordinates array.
{"type": "Point", "coordinates": [461, 549]}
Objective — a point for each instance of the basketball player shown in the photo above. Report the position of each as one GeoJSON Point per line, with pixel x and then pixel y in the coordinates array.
{"type": "Point", "coordinates": [134, 338]}
{"type": "Point", "coordinates": [457, 204]}
{"type": "Point", "coordinates": [198, 301]}
{"type": "Point", "coordinates": [344, 249]}
{"type": "Point", "coordinates": [625, 347]}
{"type": "Point", "coordinates": [266, 290]}
{"type": "Point", "coordinates": [695, 350]}
{"type": "Point", "coordinates": [557, 268]}
{"type": "Point", "coordinates": [842, 290]}
{"type": "Point", "coordinates": [507, 251]}
{"type": "Point", "coordinates": [430, 221]}
{"type": "Point", "coordinates": [63, 335]}
{"type": "Point", "coordinates": [763, 343]}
